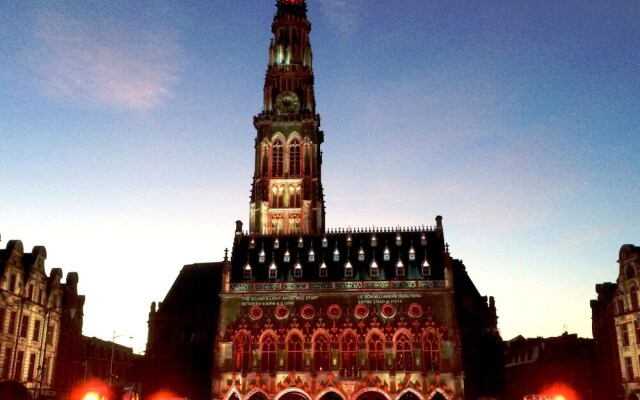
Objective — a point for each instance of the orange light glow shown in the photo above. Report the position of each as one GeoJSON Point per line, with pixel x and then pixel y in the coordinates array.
{"type": "Point", "coordinates": [91, 390]}
{"type": "Point", "coordinates": [164, 395]}
{"type": "Point", "coordinates": [561, 391]}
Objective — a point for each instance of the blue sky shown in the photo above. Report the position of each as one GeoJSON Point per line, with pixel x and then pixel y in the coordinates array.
{"type": "Point", "coordinates": [126, 139]}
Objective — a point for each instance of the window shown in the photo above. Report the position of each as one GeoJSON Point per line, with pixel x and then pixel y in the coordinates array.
{"type": "Point", "coordinates": [404, 353]}
{"type": "Point", "coordinates": [50, 330]}
{"type": "Point", "coordinates": [273, 270]}
{"type": "Point", "coordinates": [336, 255]}
{"type": "Point", "coordinates": [374, 240]}
{"type": "Point", "coordinates": [399, 268]}
{"type": "Point", "coordinates": [294, 158]}
{"type": "Point", "coordinates": [294, 352]}
{"type": "Point", "coordinates": [625, 334]}
{"type": "Point", "coordinates": [361, 254]}
{"type": "Point", "coordinates": [277, 194]}
{"type": "Point", "coordinates": [276, 243]}
{"type": "Point", "coordinates": [268, 353]}
{"type": "Point", "coordinates": [294, 196]}
{"type": "Point", "coordinates": [36, 331]}
{"type": "Point", "coordinates": [12, 282]}
{"type": "Point", "coordinates": [431, 351]}
{"type": "Point", "coordinates": [323, 270]}
{"type": "Point", "coordinates": [628, 365]}
{"type": "Point", "coordinates": [261, 256]}
{"type": "Point", "coordinates": [287, 256]}
{"type": "Point", "coordinates": [387, 255]}
{"type": "Point", "coordinates": [348, 270]}
{"type": "Point", "coordinates": [17, 372]}
{"type": "Point", "coordinates": [375, 351]}
{"type": "Point", "coordinates": [321, 352]}
{"type": "Point", "coordinates": [634, 298]}
{"type": "Point", "coordinates": [2, 312]}
{"type": "Point", "coordinates": [374, 271]}
{"type": "Point", "coordinates": [426, 268]}
{"type": "Point", "coordinates": [325, 242]}
{"type": "Point", "coordinates": [277, 160]}
{"type": "Point", "coordinates": [7, 363]}
{"type": "Point", "coordinates": [312, 255]}
{"type": "Point", "coordinates": [412, 254]}
{"type": "Point", "coordinates": [241, 352]}
{"type": "Point", "coordinates": [12, 323]}
{"type": "Point", "coordinates": [247, 271]}
{"type": "Point", "coordinates": [349, 353]}
{"type": "Point", "coordinates": [32, 367]}
{"type": "Point", "coordinates": [297, 270]}
{"type": "Point", "coordinates": [398, 239]}
{"type": "Point", "coordinates": [423, 239]}
{"type": "Point", "coordinates": [620, 303]}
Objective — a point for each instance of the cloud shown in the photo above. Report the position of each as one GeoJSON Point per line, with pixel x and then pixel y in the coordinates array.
{"type": "Point", "coordinates": [103, 64]}
{"type": "Point", "coordinates": [343, 15]}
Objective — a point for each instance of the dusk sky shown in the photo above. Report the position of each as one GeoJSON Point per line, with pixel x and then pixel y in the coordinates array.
{"type": "Point", "coordinates": [126, 139]}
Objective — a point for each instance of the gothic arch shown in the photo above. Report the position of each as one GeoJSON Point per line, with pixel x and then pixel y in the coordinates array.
{"type": "Point", "coordinates": [431, 346]}
{"type": "Point", "coordinates": [233, 394]}
{"type": "Point", "coordinates": [403, 350]}
{"type": "Point", "coordinates": [371, 393]}
{"type": "Point", "coordinates": [294, 136]}
{"type": "Point", "coordinates": [376, 343]}
{"type": "Point", "coordinates": [257, 394]}
{"type": "Point", "coordinates": [241, 349]}
{"type": "Point", "coordinates": [268, 350]}
{"type": "Point", "coordinates": [321, 361]}
{"type": "Point", "coordinates": [348, 350]}
{"type": "Point", "coordinates": [409, 394]}
{"type": "Point", "coordinates": [292, 394]}
{"type": "Point", "coordinates": [439, 394]}
{"type": "Point", "coordinates": [330, 393]}
{"type": "Point", "coordinates": [294, 346]}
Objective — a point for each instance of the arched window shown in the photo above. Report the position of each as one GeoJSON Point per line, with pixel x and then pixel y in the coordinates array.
{"type": "Point", "coordinates": [634, 298]}
{"type": "Point", "coordinates": [321, 352]}
{"type": "Point", "coordinates": [268, 352]}
{"type": "Point", "coordinates": [294, 195]}
{"type": "Point", "coordinates": [294, 159]}
{"type": "Point", "coordinates": [277, 192]}
{"type": "Point", "coordinates": [241, 352]}
{"type": "Point", "coordinates": [294, 352]}
{"type": "Point", "coordinates": [277, 160]}
{"type": "Point", "coordinates": [375, 351]}
{"type": "Point", "coordinates": [404, 353]}
{"type": "Point", "coordinates": [349, 353]}
{"type": "Point", "coordinates": [431, 350]}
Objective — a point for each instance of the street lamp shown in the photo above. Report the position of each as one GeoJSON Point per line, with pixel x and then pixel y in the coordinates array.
{"type": "Point", "coordinates": [113, 344]}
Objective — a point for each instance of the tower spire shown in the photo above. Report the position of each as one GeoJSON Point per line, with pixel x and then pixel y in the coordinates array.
{"type": "Point", "coordinates": [286, 195]}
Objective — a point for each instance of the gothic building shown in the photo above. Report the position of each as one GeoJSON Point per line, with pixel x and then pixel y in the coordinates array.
{"type": "Point", "coordinates": [312, 313]}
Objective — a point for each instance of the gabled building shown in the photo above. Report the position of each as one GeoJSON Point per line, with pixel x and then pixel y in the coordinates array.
{"type": "Point", "coordinates": [348, 313]}
{"type": "Point", "coordinates": [31, 317]}
{"type": "Point", "coordinates": [626, 305]}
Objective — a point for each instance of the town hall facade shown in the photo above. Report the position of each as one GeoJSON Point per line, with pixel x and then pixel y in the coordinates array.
{"type": "Point", "coordinates": [312, 313]}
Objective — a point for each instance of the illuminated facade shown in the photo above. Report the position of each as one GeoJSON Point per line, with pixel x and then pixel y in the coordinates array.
{"type": "Point", "coordinates": [31, 309]}
{"type": "Point", "coordinates": [309, 313]}
{"type": "Point", "coordinates": [627, 319]}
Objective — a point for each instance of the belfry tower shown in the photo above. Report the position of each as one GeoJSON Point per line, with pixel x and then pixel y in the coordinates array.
{"type": "Point", "coordinates": [286, 195]}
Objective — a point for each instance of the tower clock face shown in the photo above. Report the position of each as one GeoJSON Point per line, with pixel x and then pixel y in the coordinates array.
{"type": "Point", "coordinates": [287, 103]}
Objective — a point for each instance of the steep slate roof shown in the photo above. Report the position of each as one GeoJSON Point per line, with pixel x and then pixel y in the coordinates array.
{"type": "Point", "coordinates": [196, 288]}
{"type": "Point", "coordinates": [425, 241]}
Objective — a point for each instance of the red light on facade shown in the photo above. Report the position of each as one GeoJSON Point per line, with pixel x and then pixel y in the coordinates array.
{"type": "Point", "coordinates": [561, 391]}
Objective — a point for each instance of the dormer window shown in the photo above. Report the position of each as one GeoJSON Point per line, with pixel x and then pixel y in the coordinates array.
{"type": "Point", "coordinates": [300, 242]}
{"type": "Point", "coordinates": [252, 243]}
{"type": "Point", "coordinates": [336, 255]}
{"type": "Point", "coordinates": [387, 255]}
{"type": "Point", "coordinates": [297, 270]}
{"type": "Point", "coordinates": [374, 271]}
{"type": "Point", "coordinates": [412, 254]}
{"type": "Point", "coordinates": [361, 254]}
{"type": "Point", "coordinates": [348, 269]}
{"type": "Point", "coordinates": [276, 244]}
{"type": "Point", "coordinates": [423, 239]}
{"type": "Point", "coordinates": [349, 240]}
{"type": "Point", "coordinates": [247, 271]}
{"type": "Point", "coordinates": [426, 268]}
{"type": "Point", "coordinates": [323, 270]}
{"type": "Point", "coordinates": [261, 256]}
{"type": "Point", "coordinates": [374, 240]}
{"type": "Point", "coordinates": [399, 268]}
{"type": "Point", "coordinates": [398, 239]}
{"type": "Point", "coordinates": [273, 270]}
{"type": "Point", "coordinates": [312, 255]}
{"type": "Point", "coordinates": [287, 256]}
{"type": "Point", "coordinates": [325, 242]}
